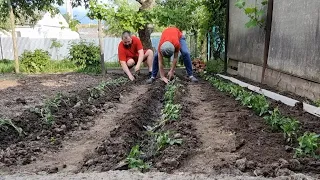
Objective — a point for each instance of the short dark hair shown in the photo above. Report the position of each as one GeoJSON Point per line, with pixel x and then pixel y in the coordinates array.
{"type": "Point", "coordinates": [126, 33]}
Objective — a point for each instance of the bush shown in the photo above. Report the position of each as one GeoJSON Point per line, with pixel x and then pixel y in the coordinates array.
{"type": "Point", "coordinates": [6, 66]}
{"type": "Point", "coordinates": [215, 66]}
{"type": "Point", "coordinates": [85, 55]}
{"type": "Point", "coordinates": [34, 62]}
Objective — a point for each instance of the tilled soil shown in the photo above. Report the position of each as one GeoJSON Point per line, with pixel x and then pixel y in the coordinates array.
{"type": "Point", "coordinates": [220, 137]}
{"type": "Point", "coordinates": [75, 112]}
{"type": "Point", "coordinates": [29, 91]}
{"type": "Point", "coordinates": [129, 131]}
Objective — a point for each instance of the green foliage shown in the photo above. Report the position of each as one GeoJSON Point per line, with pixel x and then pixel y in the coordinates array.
{"type": "Point", "coordinates": [182, 14]}
{"type": "Point", "coordinates": [317, 103]}
{"type": "Point", "coordinates": [85, 55]}
{"type": "Point", "coordinates": [6, 66]}
{"type": "Point", "coordinates": [256, 14]}
{"type": "Point", "coordinates": [171, 111]}
{"type": "Point", "coordinates": [45, 112]}
{"type": "Point", "coordinates": [134, 159]}
{"type": "Point", "coordinates": [290, 128]}
{"type": "Point", "coordinates": [119, 16]}
{"type": "Point", "coordinates": [215, 66]}
{"type": "Point", "coordinates": [275, 119]}
{"type": "Point", "coordinates": [308, 145]}
{"type": "Point", "coordinates": [99, 90]}
{"type": "Point", "coordinates": [73, 23]}
{"type": "Point", "coordinates": [34, 62]}
{"type": "Point", "coordinates": [163, 140]}
{"type": "Point", "coordinates": [5, 123]}
{"type": "Point", "coordinates": [55, 44]}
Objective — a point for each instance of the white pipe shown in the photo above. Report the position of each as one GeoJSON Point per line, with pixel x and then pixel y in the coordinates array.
{"type": "Point", "coordinates": [286, 100]}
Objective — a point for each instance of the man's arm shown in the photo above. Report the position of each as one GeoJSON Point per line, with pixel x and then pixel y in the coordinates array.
{"type": "Point", "coordinates": [161, 68]}
{"type": "Point", "coordinates": [173, 66]}
{"type": "Point", "coordinates": [140, 59]}
{"type": "Point", "coordinates": [126, 69]}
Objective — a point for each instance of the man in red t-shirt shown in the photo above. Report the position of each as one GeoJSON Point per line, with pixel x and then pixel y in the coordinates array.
{"type": "Point", "coordinates": [131, 53]}
{"type": "Point", "coordinates": [171, 42]}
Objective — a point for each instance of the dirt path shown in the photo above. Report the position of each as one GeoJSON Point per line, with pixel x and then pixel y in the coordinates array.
{"type": "Point", "coordinates": [84, 142]}
{"type": "Point", "coordinates": [121, 175]}
{"type": "Point", "coordinates": [217, 144]}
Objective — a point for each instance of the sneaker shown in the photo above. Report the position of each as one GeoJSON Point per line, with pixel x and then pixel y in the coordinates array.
{"type": "Point", "coordinates": [193, 79]}
{"type": "Point", "coordinates": [151, 80]}
{"type": "Point", "coordinates": [150, 75]}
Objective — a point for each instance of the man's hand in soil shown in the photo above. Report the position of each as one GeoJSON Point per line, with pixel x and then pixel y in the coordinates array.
{"type": "Point", "coordinates": [164, 79]}
{"type": "Point", "coordinates": [170, 74]}
{"type": "Point", "coordinates": [131, 77]}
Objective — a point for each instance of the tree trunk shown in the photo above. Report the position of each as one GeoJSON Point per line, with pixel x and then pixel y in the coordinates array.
{"type": "Point", "coordinates": [145, 37]}
{"type": "Point", "coordinates": [14, 39]}
{"type": "Point", "coordinates": [145, 33]}
{"type": "Point", "coordinates": [103, 69]}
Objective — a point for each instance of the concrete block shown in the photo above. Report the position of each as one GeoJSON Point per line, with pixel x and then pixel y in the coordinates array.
{"type": "Point", "coordinates": [241, 69]}
{"type": "Point", "coordinates": [299, 91]}
{"type": "Point", "coordinates": [268, 72]}
{"type": "Point", "coordinates": [247, 72]}
{"type": "Point", "coordinates": [286, 78]}
{"type": "Point", "coordinates": [271, 81]}
{"type": "Point", "coordinates": [291, 88]}
{"type": "Point", "coordinates": [298, 82]}
{"type": "Point", "coordinates": [314, 87]}
{"type": "Point", "coordinates": [282, 85]}
{"type": "Point", "coordinates": [309, 94]}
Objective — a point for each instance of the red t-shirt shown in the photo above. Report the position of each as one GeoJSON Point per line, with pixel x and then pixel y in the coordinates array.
{"type": "Point", "coordinates": [124, 54]}
{"type": "Point", "coordinates": [172, 35]}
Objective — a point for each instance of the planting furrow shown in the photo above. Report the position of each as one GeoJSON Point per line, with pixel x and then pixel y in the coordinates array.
{"type": "Point", "coordinates": [307, 144]}
{"type": "Point", "coordinates": [130, 129]}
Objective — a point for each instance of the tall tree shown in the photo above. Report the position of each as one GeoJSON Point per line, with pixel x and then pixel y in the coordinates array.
{"type": "Point", "coordinates": [96, 11]}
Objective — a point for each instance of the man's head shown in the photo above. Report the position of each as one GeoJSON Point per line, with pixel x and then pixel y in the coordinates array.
{"type": "Point", "coordinates": [167, 49]}
{"type": "Point", "coordinates": [126, 39]}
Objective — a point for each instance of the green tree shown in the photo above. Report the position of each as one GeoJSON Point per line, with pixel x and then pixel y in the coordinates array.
{"type": "Point", "coordinates": [73, 23]}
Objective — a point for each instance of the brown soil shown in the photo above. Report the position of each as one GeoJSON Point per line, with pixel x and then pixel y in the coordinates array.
{"type": "Point", "coordinates": [82, 142]}
{"type": "Point", "coordinates": [129, 130]}
{"type": "Point", "coordinates": [219, 135]}
{"type": "Point", "coordinates": [29, 91]}
{"type": "Point", "coordinates": [74, 113]}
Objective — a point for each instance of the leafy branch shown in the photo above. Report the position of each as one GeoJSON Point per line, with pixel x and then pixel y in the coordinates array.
{"type": "Point", "coordinates": [256, 14]}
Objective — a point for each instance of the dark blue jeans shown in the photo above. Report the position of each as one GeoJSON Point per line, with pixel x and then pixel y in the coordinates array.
{"type": "Point", "coordinates": [185, 55]}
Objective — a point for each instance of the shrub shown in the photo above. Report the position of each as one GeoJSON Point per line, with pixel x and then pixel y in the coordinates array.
{"type": "Point", "coordinates": [214, 66]}
{"type": "Point", "coordinates": [85, 55]}
{"type": "Point", "coordinates": [34, 62]}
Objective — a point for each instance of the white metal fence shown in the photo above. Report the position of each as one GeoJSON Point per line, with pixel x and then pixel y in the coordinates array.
{"type": "Point", "coordinates": [110, 47]}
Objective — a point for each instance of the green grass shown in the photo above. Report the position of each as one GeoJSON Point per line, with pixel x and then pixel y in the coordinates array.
{"type": "Point", "coordinates": [58, 66]}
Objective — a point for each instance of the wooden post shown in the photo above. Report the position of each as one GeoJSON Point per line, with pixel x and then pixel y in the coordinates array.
{"type": "Point", "coordinates": [267, 39]}
{"type": "Point", "coordinates": [14, 39]}
{"type": "Point", "coordinates": [103, 69]}
{"type": "Point", "coordinates": [226, 38]}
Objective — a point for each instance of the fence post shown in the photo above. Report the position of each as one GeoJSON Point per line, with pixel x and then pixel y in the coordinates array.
{"type": "Point", "coordinates": [267, 38]}
{"type": "Point", "coordinates": [226, 38]}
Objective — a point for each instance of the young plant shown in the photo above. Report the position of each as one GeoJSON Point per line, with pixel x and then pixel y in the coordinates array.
{"type": "Point", "coordinates": [290, 128]}
{"type": "Point", "coordinates": [260, 104]}
{"type": "Point", "coordinates": [171, 111]}
{"type": "Point", "coordinates": [134, 159]}
{"type": "Point", "coordinates": [317, 103]}
{"type": "Point", "coordinates": [275, 119]}
{"type": "Point", "coordinates": [163, 140]}
{"type": "Point", "coordinates": [308, 145]}
{"type": "Point", "coordinates": [4, 123]}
